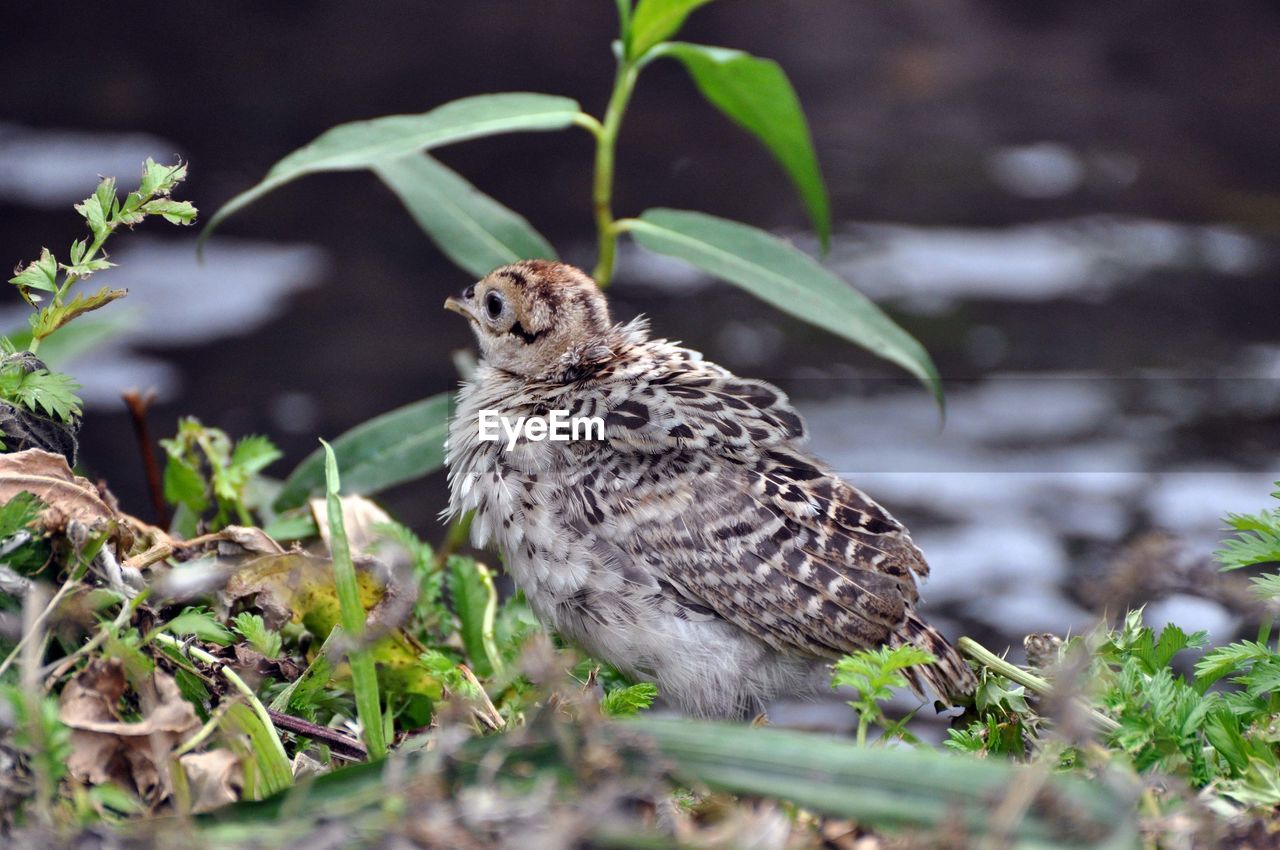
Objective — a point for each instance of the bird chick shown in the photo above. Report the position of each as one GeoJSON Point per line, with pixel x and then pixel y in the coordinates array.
{"type": "Point", "coordinates": [695, 545]}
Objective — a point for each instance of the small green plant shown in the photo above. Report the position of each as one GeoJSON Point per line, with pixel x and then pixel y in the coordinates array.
{"type": "Point", "coordinates": [874, 674]}
{"type": "Point", "coordinates": [51, 288]}
{"type": "Point", "coordinates": [205, 471]}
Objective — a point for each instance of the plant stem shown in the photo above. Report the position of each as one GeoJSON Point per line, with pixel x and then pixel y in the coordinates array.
{"type": "Point", "coordinates": [602, 192]}
{"type": "Point", "coordinates": [231, 676]}
{"type": "Point", "coordinates": [1013, 672]}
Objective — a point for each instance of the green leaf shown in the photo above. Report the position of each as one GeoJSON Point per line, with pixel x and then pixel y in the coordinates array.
{"type": "Point", "coordinates": [756, 95]}
{"type": "Point", "coordinates": [174, 212]}
{"type": "Point", "coordinates": [655, 20]}
{"type": "Point", "coordinates": [267, 771]}
{"type": "Point", "coordinates": [472, 229]}
{"type": "Point", "coordinates": [785, 277]}
{"type": "Point", "coordinates": [52, 392]}
{"type": "Point", "coordinates": [1266, 587]}
{"type": "Point", "coordinates": [475, 600]}
{"type": "Point", "coordinates": [364, 678]}
{"type": "Point", "coordinates": [184, 485]}
{"type": "Point", "coordinates": [19, 514]}
{"type": "Point", "coordinates": [95, 210]}
{"type": "Point", "coordinates": [55, 316]}
{"type": "Point", "coordinates": [363, 143]}
{"type": "Point", "coordinates": [74, 340]}
{"type": "Point", "coordinates": [39, 274]}
{"type": "Point", "coordinates": [253, 454]}
{"type": "Point", "coordinates": [254, 629]}
{"type": "Point", "coordinates": [1232, 658]}
{"type": "Point", "coordinates": [199, 622]}
{"type": "Point", "coordinates": [160, 179]}
{"type": "Point", "coordinates": [629, 701]}
{"type": "Point", "coordinates": [399, 446]}
{"type": "Point", "coordinates": [890, 788]}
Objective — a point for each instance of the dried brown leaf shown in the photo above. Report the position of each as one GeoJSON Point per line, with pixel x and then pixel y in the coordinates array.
{"type": "Point", "coordinates": [215, 779]}
{"type": "Point", "coordinates": [105, 748]}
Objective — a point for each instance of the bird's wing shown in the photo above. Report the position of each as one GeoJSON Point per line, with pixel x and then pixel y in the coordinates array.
{"type": "Point", "coordinates": [776, 544]}
{"type": "Point", "coordinates": [676, 401]}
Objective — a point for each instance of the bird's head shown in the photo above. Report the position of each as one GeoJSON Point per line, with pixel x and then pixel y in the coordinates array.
{"type": "Point", "coordinates": [536, 318]}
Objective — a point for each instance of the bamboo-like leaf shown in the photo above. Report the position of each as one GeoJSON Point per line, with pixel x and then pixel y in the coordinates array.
{"type": "Point", "coordinates": [890, 787]}
{"type": "Point", "coordinates": [655, 20]}
{"type": "Point", "coordinates": [756, 95]}
{"type": "Point", "coordinates": [787, 278]}
{"type": "Point", "coordinates": [398, 446]}
{"type": "Point", "coordinates": [472, 229]}
{"type": "Point", "coordinates": [360, 144]}
{"type": "Point", "coordinates": [364, 678]}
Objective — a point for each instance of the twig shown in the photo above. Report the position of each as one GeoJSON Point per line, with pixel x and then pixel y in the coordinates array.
{"type": "Point", "coordinates": [59, 669]}
{"type": "Point", "coordinates": [340, 743]}
{"type": "Point", "coordinates": [31, 695]}
{"type": "Point", "coordinates": [1013, 672]}
{"type": "Point", "coordinates": [30, 629]}
{"type": "Point", "coordinates": [487, 711]}
{"type": "Point", "coordinates": [232, 677]}
{"type": "Point", "coordinates": [138, 405]}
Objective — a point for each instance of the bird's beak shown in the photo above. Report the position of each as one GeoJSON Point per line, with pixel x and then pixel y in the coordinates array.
{"type": "Point", "coordinates": [459, 306]}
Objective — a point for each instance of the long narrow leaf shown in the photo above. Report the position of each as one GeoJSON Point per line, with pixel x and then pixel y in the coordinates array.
{"type": "Point", "coordinates": [364, 679]}
{"type": "Point", "coordinates": [472, 229]}
{"type": "Point", "coordinates": [890, 787]}
{"type": "Point", "coordinates": [360, 144]}
{"type": "Point", "coordinates": [785, 277]}
{"type": "Point", "coordinates": [756, 95]}
{"type": "Point", "coordinates": [398, 446]}
{"type": "Point", "coordinates": [475, 600]}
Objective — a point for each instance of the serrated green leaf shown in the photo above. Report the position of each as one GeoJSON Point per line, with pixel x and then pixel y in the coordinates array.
{"type": "Point", "coordinates": [362, 143]}
{"type": "Point", "coordinates": [55, 316]}
{"type": "Point", "coordinates": [475, 601]}
{"type": "Point", "coordinates": [19, 513]}
{"type": "Point", "coordinates": [656, 20]}
{"type": "Point", "coordinates": [42, 390]}
{"type": "Point", "coordinates": [174, 212]}
{"type": "Point", "coordinates": [472, 229]}
{"type": "Point", "coordinates": [254, 629]}
{"type": "Point", "coordinates": [756, 95]}
{"type": "Point", "coordinates": [39, 274]}
{"type": "Point", "coordinates": [1266, 587]}
{"type": "Point", "coordinates": [1249, 549]}
{"type": "Point", "coordinates": [94, 214]}
{"type": "Point", "coordinates": [160, 179]}
{"type": "Point", "coordinates": [785, 277]}
{"type": "Point", "coordinates": [253, 454]}
{"type": "Point", "coordinates": [1228, 659]}
{"type": "Point", "coordinates": [398, 446]}
{"type": "Point", "coordinates": [629, 701]}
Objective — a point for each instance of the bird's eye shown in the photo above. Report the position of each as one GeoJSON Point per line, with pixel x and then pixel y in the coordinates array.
{"type": "Point", "coordinates": [493, 304]}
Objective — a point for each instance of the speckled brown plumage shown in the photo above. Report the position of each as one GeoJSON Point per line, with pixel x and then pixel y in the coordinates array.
{"type": "Point", "coordinates": [697, 545]}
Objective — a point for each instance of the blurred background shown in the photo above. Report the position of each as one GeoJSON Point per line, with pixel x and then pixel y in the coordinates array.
{"type": "Point", "coordinates": [1073, 205]}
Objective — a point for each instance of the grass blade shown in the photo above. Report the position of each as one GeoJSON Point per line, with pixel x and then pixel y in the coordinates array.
{"type": "Point", "coordinates": [364, 679]}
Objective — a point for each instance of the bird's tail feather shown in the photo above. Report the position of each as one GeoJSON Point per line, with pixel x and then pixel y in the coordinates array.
{"type": "Point", "coordinates": [948, 677]}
